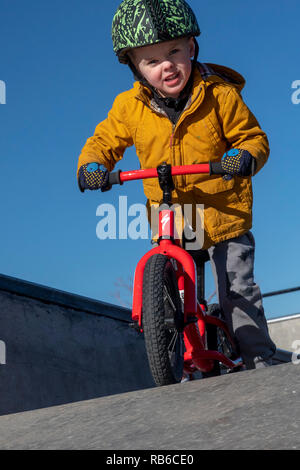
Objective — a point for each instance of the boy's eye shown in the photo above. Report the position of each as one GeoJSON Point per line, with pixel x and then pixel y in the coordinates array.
{"type": "Point", "coordinates": [151, 62]}
{"type": "Point", "coordinates": [155, 61]}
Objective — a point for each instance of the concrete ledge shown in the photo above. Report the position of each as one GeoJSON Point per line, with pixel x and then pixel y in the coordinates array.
{"type": "Point", "coordinates": [61, 348]}
{"type": "Point", "coordinates": [285, 332]}
{"type": "Point", "coordinates": [62, 298]}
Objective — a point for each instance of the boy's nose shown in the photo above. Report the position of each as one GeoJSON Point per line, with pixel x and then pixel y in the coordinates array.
{"type": "Point", "coordinates": [168, 64]}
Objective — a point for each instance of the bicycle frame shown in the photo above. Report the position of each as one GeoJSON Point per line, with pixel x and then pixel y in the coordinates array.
{"type": "Point", "coordinates": [196, 355]}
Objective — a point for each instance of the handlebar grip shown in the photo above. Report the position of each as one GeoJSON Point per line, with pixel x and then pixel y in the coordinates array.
{"type": "Point", "coordinates": [114, 178]}
{"type": "Point", "coordinates": [215, 168]}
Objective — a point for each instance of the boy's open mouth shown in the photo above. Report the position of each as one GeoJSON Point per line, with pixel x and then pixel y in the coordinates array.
{"type": "Point", "coordinates": [172, 77]}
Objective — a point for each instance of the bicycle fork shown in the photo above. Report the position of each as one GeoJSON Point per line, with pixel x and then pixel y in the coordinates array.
{"type": "Point", "coordinates": [194, 330]}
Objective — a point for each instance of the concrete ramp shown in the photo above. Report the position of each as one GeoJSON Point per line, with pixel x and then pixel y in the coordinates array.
{"type": "Point", "coordinates": [258, 409]}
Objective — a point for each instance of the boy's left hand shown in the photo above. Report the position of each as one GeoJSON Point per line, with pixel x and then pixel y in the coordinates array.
{"type": "Point", "coordinates": [93, 176]}
{"type": "Point", "coordinates": [238, 162]}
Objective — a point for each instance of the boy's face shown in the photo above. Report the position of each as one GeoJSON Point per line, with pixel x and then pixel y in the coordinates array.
{"type": "Point", "coordinates": [166, 66]}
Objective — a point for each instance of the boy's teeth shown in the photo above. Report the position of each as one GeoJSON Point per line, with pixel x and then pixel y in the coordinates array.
{"type": "Point", "coordinates": [172, 77]}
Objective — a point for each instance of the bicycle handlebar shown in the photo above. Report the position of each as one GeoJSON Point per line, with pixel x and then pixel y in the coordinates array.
{"type": "Point", "coordinates": [211, 168]}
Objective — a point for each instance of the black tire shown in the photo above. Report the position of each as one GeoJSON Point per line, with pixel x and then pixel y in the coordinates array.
{"type": "Point", "coordinates": [163, 321]}
{"type": "Point", "coordinates": [217, 341]}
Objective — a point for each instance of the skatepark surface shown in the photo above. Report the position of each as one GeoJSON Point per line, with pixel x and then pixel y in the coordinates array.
{"type": "Point", "coordinates": [75, 375]}
{"type": "Point", "coordinates": [257, 409]}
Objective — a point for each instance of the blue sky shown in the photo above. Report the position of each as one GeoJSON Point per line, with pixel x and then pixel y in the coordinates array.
{"type": "Point", "coordinates": [61, 79]}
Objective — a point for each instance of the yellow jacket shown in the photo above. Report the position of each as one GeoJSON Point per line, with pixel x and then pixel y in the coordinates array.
{"type": "Point", "coordinates": [215, 119]}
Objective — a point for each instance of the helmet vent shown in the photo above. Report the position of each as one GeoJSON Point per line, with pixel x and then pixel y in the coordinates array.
{"type": "Point", "coordinates": [158, 19]}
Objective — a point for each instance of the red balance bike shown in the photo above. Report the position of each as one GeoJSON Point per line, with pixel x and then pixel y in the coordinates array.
{"type": "Point", "coordinates": [182, 334]}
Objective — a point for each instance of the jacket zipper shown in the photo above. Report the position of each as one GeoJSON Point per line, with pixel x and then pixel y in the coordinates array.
{"type": "Point", "coordinates": [174, 129]}
{"type": "Point", "coordinates": [172, 135]}
{"type": "Point", "coordinates": [175, 125]}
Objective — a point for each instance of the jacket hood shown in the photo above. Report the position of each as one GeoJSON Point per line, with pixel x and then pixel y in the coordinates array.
{"type": "Point", "coordinates": [220, 73]}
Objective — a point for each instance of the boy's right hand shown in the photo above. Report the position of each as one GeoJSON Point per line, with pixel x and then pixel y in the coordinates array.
{"type": "Point", "coordinates": [93, 176]}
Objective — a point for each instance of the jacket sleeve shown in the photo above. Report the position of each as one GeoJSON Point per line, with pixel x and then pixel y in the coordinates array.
{"type": "Point", "coordinates": [241, 128]}
{"type": "Point", "coordinates": [110, 140]}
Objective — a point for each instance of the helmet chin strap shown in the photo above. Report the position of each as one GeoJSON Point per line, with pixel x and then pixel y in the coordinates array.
{"type": "Point", "coordinates": [139, 77]}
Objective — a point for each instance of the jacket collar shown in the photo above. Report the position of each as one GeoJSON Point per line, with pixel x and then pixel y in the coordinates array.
{"type": "Point", "coordinates": [204, 74]}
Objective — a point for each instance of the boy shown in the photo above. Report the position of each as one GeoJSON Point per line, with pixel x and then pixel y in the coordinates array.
{"type": "Point", "coordinates": [184, 112]}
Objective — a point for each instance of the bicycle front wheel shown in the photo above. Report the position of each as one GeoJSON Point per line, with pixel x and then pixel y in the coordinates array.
{"type": "Point", "coordinates": [163, 321]}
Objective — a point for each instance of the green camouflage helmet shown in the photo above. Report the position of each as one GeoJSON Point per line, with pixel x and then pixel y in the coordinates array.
{"type": "Point", "coordinates": [143, 22]}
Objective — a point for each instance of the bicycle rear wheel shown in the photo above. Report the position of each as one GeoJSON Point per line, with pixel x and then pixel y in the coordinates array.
{"type": "Point", "coordinates": [163, 321]}
{"type": "Point", "coordinates": [217, 341]}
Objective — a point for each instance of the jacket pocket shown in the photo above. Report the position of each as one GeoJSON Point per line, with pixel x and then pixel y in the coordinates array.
{"type": "Point", "coordinates": [215, 185]}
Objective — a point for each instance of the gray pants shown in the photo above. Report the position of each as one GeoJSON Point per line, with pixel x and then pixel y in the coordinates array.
{"type": "Point", "coordinates": [240, 298]}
